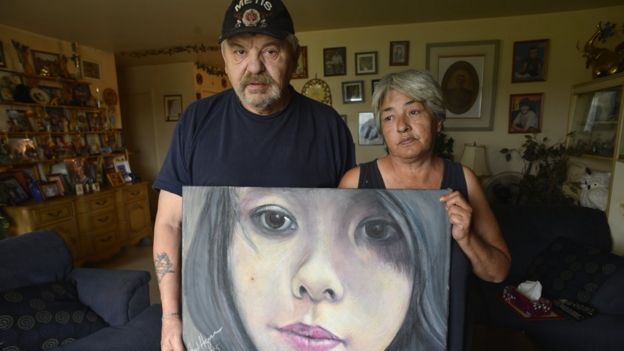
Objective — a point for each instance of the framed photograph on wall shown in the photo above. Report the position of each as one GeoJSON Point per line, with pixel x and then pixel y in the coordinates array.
{"type": "Point", "coordinates": [529, 61]}
{"type": "Point", "coordinates": [399, 53]}
{"type": "Point", "coordinates": [374, 83]}
{"type": "Point", "coordinates": [90, 69]}
{"type": "Point", "coordinates": [369, 133]}
{"type": "Point", "coordinates": [173, 107]}
{"type": "Point", "coordinates": [335, 61]}
{"type": "Point", "coordinates": [302, 64]}
{"type": "Point", "coordinates": [467, 74]}
{"type": "Point", "coordinates": [525, 113]}
{"type": "Point", "coordinates": [47, 63]}
{"type": "Point", "coordinates": [366, 63]}
{"type": "Point", "coordinates": [2, 57]}
{"type": "Point", "coordinates": [353, 91]}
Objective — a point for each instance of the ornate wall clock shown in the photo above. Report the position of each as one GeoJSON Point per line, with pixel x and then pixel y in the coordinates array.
{"type": "Point", "coordinates": [318, 90]}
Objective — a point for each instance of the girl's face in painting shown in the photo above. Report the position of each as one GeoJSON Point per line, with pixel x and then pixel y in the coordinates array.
{"type": "Point", "coordinates": [319, 270]}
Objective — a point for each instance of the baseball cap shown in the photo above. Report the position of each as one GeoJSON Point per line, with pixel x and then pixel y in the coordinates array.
{"type": "Point", "coordinates": [268, 17]}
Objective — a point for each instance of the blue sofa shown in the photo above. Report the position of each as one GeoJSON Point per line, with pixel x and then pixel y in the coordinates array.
{"type": "Point", "coordinates": [46, 303]}
{"type": "Point", "coordinates": [567, 249]}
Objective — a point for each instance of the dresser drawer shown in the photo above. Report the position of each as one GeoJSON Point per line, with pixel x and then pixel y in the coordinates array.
{"type": "Point", "coordinates": [98, 221]}
{"type": "Point", "coordinates": [91, 203]}
{"type": "Point", "coordinates": [105, 241]}
{"type": "Point", "coordinates": [68, 230]}
{"type": "Point", "coordinates": [53, 213]}
{"type": "Point", "coordinates": [134, 192]}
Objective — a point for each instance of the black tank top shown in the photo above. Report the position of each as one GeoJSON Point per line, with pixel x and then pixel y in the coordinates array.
{"type": "Point", "coordinates": [452, 178]}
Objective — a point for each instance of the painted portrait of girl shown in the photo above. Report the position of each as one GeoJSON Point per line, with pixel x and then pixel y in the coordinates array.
{"type": "Point", "coordinates": [314, 269]}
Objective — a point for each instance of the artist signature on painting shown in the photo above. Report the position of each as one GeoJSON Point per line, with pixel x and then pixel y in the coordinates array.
{"type": "Point", "coordinates": [205, 343]}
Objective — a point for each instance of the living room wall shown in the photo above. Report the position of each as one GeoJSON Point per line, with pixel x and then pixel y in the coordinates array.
{"type": "Point", "coordinates": [566, 67]}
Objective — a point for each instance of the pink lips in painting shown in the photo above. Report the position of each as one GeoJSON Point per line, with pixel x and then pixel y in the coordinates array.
{"type": "Point", "coordinates": [309, 338]}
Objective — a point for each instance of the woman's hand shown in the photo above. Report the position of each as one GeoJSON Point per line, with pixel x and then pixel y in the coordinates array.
{"type": "Point", "coordinates": [459, 214]}
{"type": "Point", "coordinates": [171, 338]}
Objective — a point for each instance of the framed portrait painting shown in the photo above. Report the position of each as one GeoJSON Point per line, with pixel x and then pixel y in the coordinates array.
{"type": "Point", "coordinates": [525, 113]}
{"type": "Point", "coordinates": [366, 63]}
{"type": "Point", "coordinates": [467, 73]}
{"type": "Point", "coordinates": [302, 64]}
{"type": "Point", "coordinates": [353, 91]}
{"type": "Point", "coordinates": [399, 53]}
{"type": "Point", "coordinates": [173, 107]}
{"type": "Point", "coordinates": [530, 61]}
{"type": "Point", "coordinates": [335, 61]}
{"type": "Point", "coordinates": [308, 269]}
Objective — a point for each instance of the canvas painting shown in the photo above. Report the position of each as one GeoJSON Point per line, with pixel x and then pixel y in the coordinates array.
{"type": "Point", "coordinates": [314, 269]}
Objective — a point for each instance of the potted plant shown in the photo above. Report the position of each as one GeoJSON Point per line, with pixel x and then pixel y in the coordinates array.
{"type": "Point", "coordinates": [544, 173]}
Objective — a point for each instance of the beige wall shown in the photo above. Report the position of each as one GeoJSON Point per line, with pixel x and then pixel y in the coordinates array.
{"type": "Point", "coordinates": [106, 60]}
{"type": "Point", "coordinates": [565, 67]}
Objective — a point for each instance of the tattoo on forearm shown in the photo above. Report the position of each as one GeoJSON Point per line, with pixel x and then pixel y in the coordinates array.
{"type": "Point", "coordinates": [163, 265]}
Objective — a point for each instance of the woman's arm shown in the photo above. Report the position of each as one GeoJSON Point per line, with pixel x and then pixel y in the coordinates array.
{"type": "Point", "coordinates": [167, 243]}
{"type": "Point", "coordinates": [476, 231]}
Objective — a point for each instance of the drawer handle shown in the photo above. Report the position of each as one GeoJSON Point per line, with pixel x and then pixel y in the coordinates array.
{"type": "Point", "coordinates": [55, 213]}
{"type": "Point", "coordinates": [100, 203]}
{"type": "Point", "coordinates": [103, 219]}
{"type": "Point", "coordinates": [107, 239]}
{"type": "Point", "coordinates": [135, 193]}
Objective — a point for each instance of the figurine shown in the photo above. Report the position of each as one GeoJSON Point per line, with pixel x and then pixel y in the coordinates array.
{"type": "Point", "coordinates": [594, 189]}
{"type": "Point", "coordinates": [603, 61]}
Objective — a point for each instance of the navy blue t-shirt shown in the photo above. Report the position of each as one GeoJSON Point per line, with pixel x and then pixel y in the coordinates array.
{"type": "Point", "coordinates": [218, 142]}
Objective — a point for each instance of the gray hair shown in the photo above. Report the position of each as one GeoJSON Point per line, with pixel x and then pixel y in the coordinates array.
{"type": "Point", "coordinates": [419, 85]}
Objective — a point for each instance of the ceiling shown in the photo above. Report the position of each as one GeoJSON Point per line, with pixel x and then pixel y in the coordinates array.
{"type": "Point", "coordinates": [131, 25]}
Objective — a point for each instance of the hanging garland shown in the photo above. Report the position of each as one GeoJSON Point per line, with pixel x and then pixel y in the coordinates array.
{"type": "Point", "coordinates": [210, 69]}
{"type": "Point", "coordinates": [195, 49]}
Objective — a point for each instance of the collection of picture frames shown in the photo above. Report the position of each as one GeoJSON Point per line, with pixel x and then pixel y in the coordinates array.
{"type": "Point", "coordinates": [467, 72]}
{"type": "Point", "coordinates": [530, 64]}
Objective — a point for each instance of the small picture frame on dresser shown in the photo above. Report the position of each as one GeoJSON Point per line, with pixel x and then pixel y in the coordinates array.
{"type": "Point", "coordinates": [79, 189]}
{"type": "Point", "coordinates": [50, 189]}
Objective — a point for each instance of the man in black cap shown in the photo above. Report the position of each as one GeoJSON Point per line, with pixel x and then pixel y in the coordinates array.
{"type": "Point", "coordinates": [260, 133]}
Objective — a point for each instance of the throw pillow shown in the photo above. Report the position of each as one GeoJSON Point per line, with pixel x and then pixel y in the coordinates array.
{"type": "Point", "coordinates": [44, 317]}
{"type": "Point", "coordinates": [573, 271]}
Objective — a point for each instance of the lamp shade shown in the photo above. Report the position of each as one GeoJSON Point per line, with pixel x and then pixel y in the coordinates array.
{"type": "Point", "coordinates": [474, 157]}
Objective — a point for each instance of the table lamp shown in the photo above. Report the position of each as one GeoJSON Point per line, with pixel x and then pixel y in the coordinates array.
{"type": "Point", "coordinates": [475, 158]}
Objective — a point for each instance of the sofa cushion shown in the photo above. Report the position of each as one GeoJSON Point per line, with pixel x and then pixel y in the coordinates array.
{"type": "Point", "coordinates": [573, 271]}
{"type": "Point", "coordinates": [45, 316]}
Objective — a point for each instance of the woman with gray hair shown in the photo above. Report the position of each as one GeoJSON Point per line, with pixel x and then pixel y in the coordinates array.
{"type": "Point", "coordinates": [411, 111]}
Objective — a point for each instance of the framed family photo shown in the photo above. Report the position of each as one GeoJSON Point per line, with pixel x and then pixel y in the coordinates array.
{"type": "Point", "coordinates": [366, 63]}
{"type": "Point", "coordinates": [399, 53]}
{"type": "Point", "coordinates": [173, 107]}
{"type": "Point", "coordinates": [529, 61]}
{"type": "Point", "coordinates": [467, 74]}
{"type": "Point", "coordinates": [335, 61]}
{"type": "Point", "coordinates": [47, 63]}
{"type": "Point", "coordinates": [353, 91]}
{"type": "Point", "coordinates": [90, 69]}
{"type": "Point", "coordinates": [525, 113]}
{"type": "Point", "coordinates": [302, 64]}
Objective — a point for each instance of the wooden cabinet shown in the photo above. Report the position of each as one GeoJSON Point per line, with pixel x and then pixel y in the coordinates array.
{"type": "Point", "coordinates": [134, 213]}
{"type": "Point", "coordinates": [596, 124]}
{"type": "Point", "coordinates": [95, 225]}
